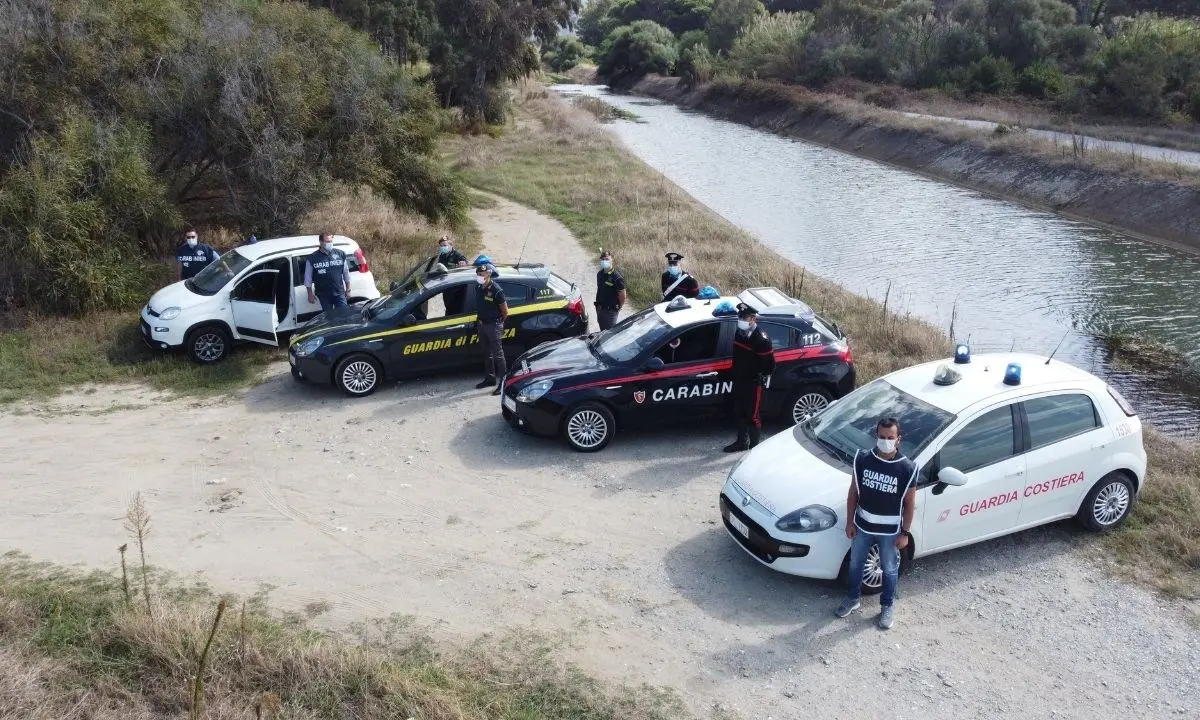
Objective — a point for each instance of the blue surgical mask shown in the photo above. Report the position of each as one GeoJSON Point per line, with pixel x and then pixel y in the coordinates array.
{"type": "Point", "coordinates": [606, 264]}
{"type": "Point", "coordinates": [326, 246]}
{"type": "Point", "coordinates": [674, 270]}
{"type": "Point", "coordinates": [443, 249]}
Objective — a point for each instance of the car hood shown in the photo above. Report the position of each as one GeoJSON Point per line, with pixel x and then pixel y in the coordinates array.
{"type": "Point", "coordinates": [789, 471]}
{"type": "Point", "coordinates": [336, 321]}
{"type": "Point", "coordinates": [175, 295]}
{"type": "Point", "coordinates": [569, 357]}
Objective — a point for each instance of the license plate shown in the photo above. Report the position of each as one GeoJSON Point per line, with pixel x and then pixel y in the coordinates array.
{"type": "Point", "coordinates": [739, 526]}
{"type": "Point", "coordinates": [509, 404]}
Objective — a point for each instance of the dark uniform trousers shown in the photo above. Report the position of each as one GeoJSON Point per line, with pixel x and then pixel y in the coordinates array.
{"type": "Point", "coordinates": [607, 317]}
{"type": "Point", "coordinates": [753, 358]}
{"type": "Point", "coordinates": [491, 337]}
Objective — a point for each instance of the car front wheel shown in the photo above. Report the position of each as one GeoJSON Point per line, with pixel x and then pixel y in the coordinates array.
{"type": "Point", "coordinates": [1108, 503]}
{"type": "Point", "coordinates": [209, 344]}
{"type": "Point", "coordinates": [358, 375]}
{"type": "Point", "coordinates": [588, 427]}
{"type": "Point", "coordinates": [872, 583]}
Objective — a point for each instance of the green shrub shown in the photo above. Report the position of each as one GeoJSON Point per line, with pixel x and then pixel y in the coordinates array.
{"type": "Point", "coordinates": [596, 21]}
{"type": "Point", "coordinates": [632, 51]}
{"type": "Point", "coordinates": [564, 53]}
{"type": "Point", "coordinates": [1042, 81]}
{"type": "Point", "coordinates": [678, 16]}
{"type": "Point", "coordinates": [772, 47]}
{"type": "Point", "coordinates": [696, 65]}
{"type": "Point", "coordinates": [990, 76]}
{"type": "Point", "coordinates": [728, 19]}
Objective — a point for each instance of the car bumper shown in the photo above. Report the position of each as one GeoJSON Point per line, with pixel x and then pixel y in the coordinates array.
{"type": "Point", "coordinates": [313, 368]}
{"type": "Point", "coordinates": [816, 555]}
{"type": "Point", "coordinates": [539, 418]}
{"type": "Point", "coordinates": [159, 334]}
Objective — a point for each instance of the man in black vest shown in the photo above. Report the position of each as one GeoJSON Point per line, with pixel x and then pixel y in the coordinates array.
{"type": "Point", "coordinates": [879, 511]}
{"type": "Point", "coordinates": [492, 310]}
{"type": "Point", "coordinates": [610, 292]}
{"type": "Point", "coordinates": [676, 282]}
{"type": "Point", "coordinates": [326, 276]}
{"type": "Point", "coordinates": [193, 255]}
{"type": "Point", "coordinates": [753, 363]}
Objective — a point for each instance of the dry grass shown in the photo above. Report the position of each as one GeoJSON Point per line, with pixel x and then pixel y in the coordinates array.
{"type": "Point", "coordinates": [71, 649]}
{"type": "Point", "coordinates": [558, 159]}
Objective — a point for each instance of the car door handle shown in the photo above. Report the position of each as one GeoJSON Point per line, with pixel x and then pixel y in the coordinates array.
{"type": "Point", "coordinates": [714, 373]}
{"type": "Point", "coordinates": [456, 327]}
{"type": "Point", "coordinates": [1100, 446]}
{"type": "Point", "coordinates": [1018, 473]}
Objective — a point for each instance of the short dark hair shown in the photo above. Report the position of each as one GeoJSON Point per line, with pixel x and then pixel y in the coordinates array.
{"type": "Point", "coordinates": [324, 234]}
{"type": "Point", "coordinates": [889, 422]}
{"type": "Point", "coordinates": [189, 229]}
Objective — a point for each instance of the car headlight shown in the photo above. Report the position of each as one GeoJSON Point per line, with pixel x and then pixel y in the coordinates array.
{"type": "Point", "coordinates": [169, 314]}
{"type": "Point", "coordinates": [534, 391]}
{"type": "Point", "coordinates": [309, 346]}
{"type": "Point", "coordinates": [808, 519]}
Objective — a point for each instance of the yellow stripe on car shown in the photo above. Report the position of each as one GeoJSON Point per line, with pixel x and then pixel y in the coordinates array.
{"type": "Point", "coordinates": [459, 320]}
{"type": "Point", "coordinates": [311, 333]}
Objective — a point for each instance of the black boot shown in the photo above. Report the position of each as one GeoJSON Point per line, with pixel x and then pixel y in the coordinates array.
{"type": "Point", "coordinates": [487, 382]}
{"type": "Point", "coordinates": [737, 445]}
{"type": "Point", "coordinates": [497, 390]}
{"type": "Point", "coordinates": [755, 436]}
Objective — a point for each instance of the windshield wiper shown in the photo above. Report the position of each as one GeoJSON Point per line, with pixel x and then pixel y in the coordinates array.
{"type": "Point", "coordinates": [834, 449]}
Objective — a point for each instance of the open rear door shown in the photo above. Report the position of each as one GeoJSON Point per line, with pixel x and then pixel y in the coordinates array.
{"type": "Point", "coordinates": [255, 316]}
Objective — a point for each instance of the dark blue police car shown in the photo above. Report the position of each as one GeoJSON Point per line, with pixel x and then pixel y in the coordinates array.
{"type": "Point", "coordinates": [670, 364]}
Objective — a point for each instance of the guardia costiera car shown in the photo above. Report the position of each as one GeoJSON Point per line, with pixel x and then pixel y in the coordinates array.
{"type": "Point", "coordinates": [1003, 442]}
{"type": "Point", "coordinates": [670, 364]}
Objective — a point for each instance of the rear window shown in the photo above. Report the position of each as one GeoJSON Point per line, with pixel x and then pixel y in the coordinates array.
{"type": "Point", "coordinates": [781, 335]}
{"type": "Point", "coordinates": [1059, 417]}
{"type": "Point", "coordinates": [515, 293]}
{"type": "Point", "coordinates": [557, 286]}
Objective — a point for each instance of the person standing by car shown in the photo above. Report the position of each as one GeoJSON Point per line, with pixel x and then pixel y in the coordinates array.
{"type": "Point", "coordinates": [610, 292]}
{"type": "Point", "coordinates": [492, 311]}
{"type": "Point", "coordinates": [880, 506]}
{"type": "Point", "coordinates": [676, 282]}
{"type": "Point", "coordinates": [326, 276]}
{"type": "Point", "coordinates": [753, 363]}
{"type": "Point", "coordinates": [448, 255]}
{"type": "Point", "coordinates": [193, 255]}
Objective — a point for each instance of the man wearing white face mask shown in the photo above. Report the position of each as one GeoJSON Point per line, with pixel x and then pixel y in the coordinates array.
{"type": "Point", "coordinates": [879, 511]}
{"type": "Point", "coordinates": [326, 276]}
{"type": "Point", "coordinates": [193, 255]}
{"type": "Point", "coordinates": [753, 363]}
{"type": "Point", "coordinates": [610, 292]}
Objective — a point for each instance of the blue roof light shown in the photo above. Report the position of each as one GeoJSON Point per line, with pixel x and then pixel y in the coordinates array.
{"type": "Point", "coordinates": [962, 354]}
{"type": "Point", "coordinates": [708, 292]}
{"type": "Point", "coordinates": [1012, 374]}
{"type": "Point", "coordinates": [725, 308]}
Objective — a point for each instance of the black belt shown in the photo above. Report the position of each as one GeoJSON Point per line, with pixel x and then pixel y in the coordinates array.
{"type": "Point", "coordinates": [608, 307]}
{"type": "Point", "coordinates": [491, 320]}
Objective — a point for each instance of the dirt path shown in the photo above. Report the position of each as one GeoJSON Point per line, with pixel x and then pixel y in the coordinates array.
{"type": "Point", "coordinates": [420, 501]}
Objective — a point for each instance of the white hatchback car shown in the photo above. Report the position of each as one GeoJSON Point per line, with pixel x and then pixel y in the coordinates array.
{"type": "Point", "coordinates": [1003, 442]}
{"type": "Point", "coordinates": [252, 293]}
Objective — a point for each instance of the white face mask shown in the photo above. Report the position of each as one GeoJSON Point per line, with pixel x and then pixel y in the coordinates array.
{"type": "Point", "coordinates": [886, 445]}
{"type": "Point", "coordinates": [606, 264]}
{"type": "Point", "coordinates": [480, 279]}
{"type": "Point", "coordinates": [744, 325]}
{"type": "Point", "coordinates": [192, 242]}
{"type": "Point", "coordinates": [326, 246]}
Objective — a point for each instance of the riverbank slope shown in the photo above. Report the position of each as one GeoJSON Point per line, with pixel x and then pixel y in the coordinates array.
{"type": "Point", "coordinates": [1152, 200]}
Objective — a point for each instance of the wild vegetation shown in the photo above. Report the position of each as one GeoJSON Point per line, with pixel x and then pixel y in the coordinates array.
{"type": "Point", "coordinates": [1086, 56]}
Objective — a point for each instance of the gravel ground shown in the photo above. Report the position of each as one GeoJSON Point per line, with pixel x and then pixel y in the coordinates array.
{"type": "Point", "coordinates": [420, 501]}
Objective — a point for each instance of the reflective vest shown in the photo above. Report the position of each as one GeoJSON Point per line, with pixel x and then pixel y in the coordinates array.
{"type": "Point", "coordinates": [882, 485]}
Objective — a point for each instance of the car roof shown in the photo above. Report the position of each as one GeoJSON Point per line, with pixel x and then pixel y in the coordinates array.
{"type": "Point", "coordinates": [292, 245]}
{"type": "Point", "coordinates": [529, 272]}
{"type": "Point", "coordinates": [771, 303]}
{"type": "Point", "coordinates": [983, 379]}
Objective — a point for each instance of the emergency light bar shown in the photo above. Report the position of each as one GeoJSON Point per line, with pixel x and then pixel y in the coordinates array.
{"type": "Point", "coordinates": [1012, 374]}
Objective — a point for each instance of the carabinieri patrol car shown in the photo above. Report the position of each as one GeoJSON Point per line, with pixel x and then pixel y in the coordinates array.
{"type": "Point", "coordinates": [669, 364]}
{"type": "Point", "coordinates": [426, 324]}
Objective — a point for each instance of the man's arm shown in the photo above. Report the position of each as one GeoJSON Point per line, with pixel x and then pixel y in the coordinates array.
{"type": "Point", "coordinates": [503, 310]}
{"type": "Point", "coordinates": [910, 507]}
{"type": "Point", "coordinates": [620, 285]}
{"type": "Point", "coordinates": [851, 508]}
{"type": "Point", "coordinates": [312, 297]}
{"type": "Point", "coordinates": [346, 275]}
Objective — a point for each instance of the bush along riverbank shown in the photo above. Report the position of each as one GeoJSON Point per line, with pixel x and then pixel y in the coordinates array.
{"type": "Point", "coordinates": [559, 159]}
{"type": "Point", "coordinates": [1150, 199]}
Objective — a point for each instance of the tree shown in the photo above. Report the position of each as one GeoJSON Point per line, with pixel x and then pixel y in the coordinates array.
{"type": "Point", "coordinates": [401, 27]}
{"type": "Point", "coordinates": [479, 44]}
{"type": "Point", "coordinates": [727, 19]}
{"type": "Point", "coordinates": [564, 53]}
{"type": "Point", "coordinates": [632, 51]}
{"type": "Point", "coordinates": [678, 16]}
{"type": "Point", "coordinates": [596, 21]}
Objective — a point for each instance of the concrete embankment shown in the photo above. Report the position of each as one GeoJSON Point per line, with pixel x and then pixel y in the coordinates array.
{"type": "Point", "coordinates": [1014, 168]}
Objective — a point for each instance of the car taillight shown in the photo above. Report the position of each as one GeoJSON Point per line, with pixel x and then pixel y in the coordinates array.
{"type": "Point", "coordinates": [362, 260]}
{"type": "Point", "coordinates": [845, 354]}
{"type": "Point", "coordinates": [576, 305]}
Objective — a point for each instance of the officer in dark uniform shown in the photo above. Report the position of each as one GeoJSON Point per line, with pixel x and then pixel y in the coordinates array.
{"type": "Point", "coordinates": [610, 292]}
{"type": "Point", "coordinates": [676, 282]}
{"type": "Point", "coordinates": [326, 276]}
{"type": "Point", "coordinates": [753, 363]}
{"type": "Point", "coordinates": [193, 255]}
{"type": "Point", "coordinates": [492, 310]}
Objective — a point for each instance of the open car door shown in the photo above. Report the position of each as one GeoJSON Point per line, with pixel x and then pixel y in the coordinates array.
{"type": "Point", "coordinates": [427, 265]}
{"type": "Point", "coordinates": [255, 311]}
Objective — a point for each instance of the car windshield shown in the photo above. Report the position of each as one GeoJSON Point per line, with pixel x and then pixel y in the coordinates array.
{"type": "Point", "coordinates": [849, 424]}
{"type": "Point", "coordinates": [218, 273]}
{"type": "Point", "coordinates": [632, 337]}
{"type": "Point", "coordinates": [389, 306]}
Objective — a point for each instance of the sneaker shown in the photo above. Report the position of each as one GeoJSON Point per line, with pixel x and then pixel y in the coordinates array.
{"type": "Point", "coordinates": [887, 617]}
{"type": "Point", "coordinates": [487, 382]}
{"type": "Point", "coordinates": [847, 607]}
{"type": "Point", "coordinates": [736, 446]}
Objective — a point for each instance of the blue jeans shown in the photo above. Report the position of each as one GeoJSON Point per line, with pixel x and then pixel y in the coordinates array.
{"type": "Point", "coordinates": [330, 300]}
{"type": "Point", "coordinates": [889, 557]}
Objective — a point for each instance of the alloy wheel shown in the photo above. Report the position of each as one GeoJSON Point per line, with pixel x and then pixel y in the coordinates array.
{"type": "Point", "coordinates": [1111, 503]}
{"type": "Point", "coordinates": [359, 377]}
{"type": "Point", "coordinates": [807, 405]}
{"type": "Point", "coordinates": [587, 428]}
{"type": "Point", "coordinates": [209, 346]}
{"type": "Point", "coordinates": [873, 571]}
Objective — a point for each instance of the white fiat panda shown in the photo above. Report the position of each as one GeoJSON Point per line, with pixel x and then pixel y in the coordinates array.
{"type": "Point", "coordinates": [1003, 442]}
{"type": "Point", "coordinates": [253, 293]}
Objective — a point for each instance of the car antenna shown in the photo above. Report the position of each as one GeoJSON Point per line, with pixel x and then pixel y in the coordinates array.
{"type": "Point", "coordinates": [669, 198]}
{"type": "Point", "coordinates": [523, 248]}
{"type": "Point", "coordinates": [1056, 347]}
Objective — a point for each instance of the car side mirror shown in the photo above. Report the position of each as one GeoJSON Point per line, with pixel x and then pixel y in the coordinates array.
{"type": "Point", "coordinates": [409, 319]}
{"type": "Point", "coordinates": [654, 364]}
{"type": "Point", "coordinates": [951, 476]}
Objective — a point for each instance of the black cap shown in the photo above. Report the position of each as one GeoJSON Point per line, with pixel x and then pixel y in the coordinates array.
{"type": "Point", "coordinates": [673, 258]}
{"type": "Point", "coordinates": [604, 254]}
{"type": "Point", "coordinates": [745, 312]}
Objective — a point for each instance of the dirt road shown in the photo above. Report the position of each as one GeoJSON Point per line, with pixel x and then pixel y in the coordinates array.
{"type": "Point", "coordinates": [420, 501]}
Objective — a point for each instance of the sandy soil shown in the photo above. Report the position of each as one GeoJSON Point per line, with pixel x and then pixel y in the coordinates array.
{"type": "Point", "coordinates": [420, 501]}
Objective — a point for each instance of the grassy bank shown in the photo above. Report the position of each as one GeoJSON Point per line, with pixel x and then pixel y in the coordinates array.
{"type": "Point", "coordinates": [41, 355]}
{"type": "Point", "coordinates": [73, 648]}
{"type": "Point", "coordinates": [559, 159]}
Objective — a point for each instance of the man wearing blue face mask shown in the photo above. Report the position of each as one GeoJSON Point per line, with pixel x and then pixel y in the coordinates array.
{"type": "Point", "coordinates": [676, 282]}
{"type": "Point", "coordinates": [880, 506]}
{"type": "Point", "coordinates": [448, 256]}
{"type": "Point", "coordinates": [753, 363]}
{"type": "Point", "coordinates": [610, 292]}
